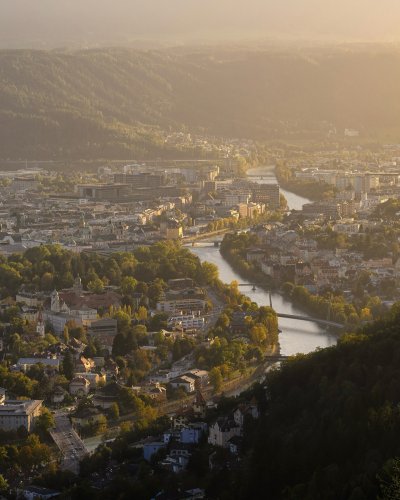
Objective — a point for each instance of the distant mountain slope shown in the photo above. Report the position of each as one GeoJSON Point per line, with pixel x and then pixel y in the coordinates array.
{"type": "Point", "coordinates": [107, 102]}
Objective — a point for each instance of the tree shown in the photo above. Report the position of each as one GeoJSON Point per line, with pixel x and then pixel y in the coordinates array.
{"type": "Point", "coordinates": [68, 365]}
{"type": "Point", "coordinates": [128, 285]}
{"type": "Point", "coordinates": [96, 286]}
{"type": "Point", "coordinates": [44, 421]}
{"type": "Point", "coordinates": [390, 487]}
{"type": "Point", "coordinates": [209, 273]}
{"type": "Point", "coordinates": [215, 378]}
{"type": "Point", "coordinates": [66, 334]}
{"type": "Point", "coordinates": [142, 314]}
{"type": "Point", "coordinates": [123, 320]}
{"type": "Point", "coordinates": [258, 334]}
{"type": "Point", "coordinates": [114, 411]}
{"type": "Point", "coordinates": [4, 486]}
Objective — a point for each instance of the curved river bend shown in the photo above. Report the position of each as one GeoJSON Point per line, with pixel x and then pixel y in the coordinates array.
{"type": "Point", "coordinates": [297, 336]}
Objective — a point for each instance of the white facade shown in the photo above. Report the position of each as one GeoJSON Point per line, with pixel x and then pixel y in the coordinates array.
{"type": "Point", "coordinates": [189, 322]}
{"type": "Point", "coordinates": [14, 414]}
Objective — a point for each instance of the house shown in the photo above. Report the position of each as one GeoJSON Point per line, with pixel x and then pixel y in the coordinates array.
{"type": "Point", "coordinates": [193, 433]}
{"type": "Point", "coordinates": [106, 396]}
{"type": "Point", "coordinates": [187, 383]}
{"type": "Point", "coordinates": [156, 392]}
{"type": "Point", "coordinates": [84, 364]}
{"type": "Point", "coordinates": [243, 410]}
{"type": "Point", "coordinates": [79, 386]}
{"type": "Point", "coordinates": [86, 416]}
{"type": "Point", "coordinates": [180, 421]}
{"type": "Point", "coordinates": [199, 405]}
{"type": "Point", "coordinates": [200, 376]}
{"type": "Point", "coordinates": [58, 395]}
{"type": "Point", "coordinates": [180, 450]}
{"type": "Point", "coordinates": [150, 449]}
{"type": "Point", "coordinates": [94, 378]}
{"type": "Point", "coordinates": [222, 431]}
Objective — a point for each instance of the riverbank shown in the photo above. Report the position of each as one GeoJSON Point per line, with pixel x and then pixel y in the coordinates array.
{"type": "Point", "coordinates": [234, 249]}
{"type": "Point", "coordinates": [314, 191]}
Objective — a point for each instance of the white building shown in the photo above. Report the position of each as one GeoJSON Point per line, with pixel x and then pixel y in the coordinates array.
{"type": "Point", "coordinates": [16, 414]}
{"type": "Point", "coordinates": [222, 431]}
{"type": "Point", "coordinates": [187, 322]}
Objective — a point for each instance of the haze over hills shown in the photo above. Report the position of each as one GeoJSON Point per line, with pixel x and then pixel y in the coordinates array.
{"type": "Point", "coordinates": [111, 102]}
{"type": "Point", "coordinates": [49, 23]}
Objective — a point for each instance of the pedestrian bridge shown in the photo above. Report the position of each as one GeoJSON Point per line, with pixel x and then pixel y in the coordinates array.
{"type": "Point", "coordinates": [323, 322]}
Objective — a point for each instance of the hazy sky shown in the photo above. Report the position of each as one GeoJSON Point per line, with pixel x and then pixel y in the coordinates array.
{"type": "Point", "coordinates": [57, 21]}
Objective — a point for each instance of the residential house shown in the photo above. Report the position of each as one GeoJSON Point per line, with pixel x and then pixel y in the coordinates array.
{"type": "Point", "coordinates": [79, 386]}
{"type": "Point", "coordinates": [86, 416]}
{"type": "Point", "coordinates": [150, 449]}
{"type": "Point", "coordinates": [187, 383]}
{"type": "Point", "coordinates": [222, 431]}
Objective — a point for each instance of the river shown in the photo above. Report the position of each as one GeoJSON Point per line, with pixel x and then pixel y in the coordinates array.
{"type": "Point", "coordinates": [296, 336]}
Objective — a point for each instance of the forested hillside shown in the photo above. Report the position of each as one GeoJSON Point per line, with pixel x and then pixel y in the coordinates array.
{"type": "Point", "coordinates": [331, 428]}
{"type": "Point", "coordinates": [111, 102]}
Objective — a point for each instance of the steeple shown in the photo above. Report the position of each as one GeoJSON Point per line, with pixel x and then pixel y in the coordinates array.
{"type": "Point", "coordinates": [55, 302]}
{"type": "Point", "coordinates": [40, 328]}
{"type": "Point", "coordinates": [78, 288]}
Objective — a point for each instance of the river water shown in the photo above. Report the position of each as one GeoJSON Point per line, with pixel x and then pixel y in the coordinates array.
{"type": "Point", "coordinates": [296, 336]}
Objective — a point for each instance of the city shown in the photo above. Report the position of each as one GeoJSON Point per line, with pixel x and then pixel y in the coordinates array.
{"type": "Point", "coordinates": [199, 250]}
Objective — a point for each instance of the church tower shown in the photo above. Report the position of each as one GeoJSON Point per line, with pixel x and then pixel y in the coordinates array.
{"type": "Point", "coordinates": [40, 329]}
{"type": "Point", "coordinates": [55, 302]}
{"type": "Point", "coordinates": [78, 288]}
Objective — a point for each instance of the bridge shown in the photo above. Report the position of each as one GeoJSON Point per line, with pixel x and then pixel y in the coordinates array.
{"type": "Point", "coordinates": [323, 322]}
{"type": "Point", "coordinates": [276, 358]}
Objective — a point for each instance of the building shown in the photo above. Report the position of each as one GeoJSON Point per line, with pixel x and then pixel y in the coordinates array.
{"type": "Point", "coordinates": [86, 416]}
{"type": "Point", "coordinates": [141, 179]}
{"type": "Point", "coordinates": [79, 386]}
{"type": "Point", "coordinates": [103, 192]}
{"type": "Point", "coordinates": [150, 449]}
{"type": "Point", "coordinates": [60, 313]}
{"type": "Point", "coordinates": [104, 330]}
{"type": "Point", "coordinates": [201, 376]}
{"type": "Point", "coordinates": [222, 431]}
{"type": "Point", "coordinates": [94, 378]}
{"type": "Point", "coordinates": [24, 364]}
{"type": "Point", "coordinates": [269, 194]}
{"type": "Point", "coordinates": [15, 414]}
{"type": "Point", "coordinates": [187, 383]}
{"type": "Point", "coordinates": [171, 229]}
{"type": "Point", "coordinates": [251, 210]}
{"type": "Point", "coordinates": [186, 322]}
{"type": "Point", "coordinates": [189, 300]}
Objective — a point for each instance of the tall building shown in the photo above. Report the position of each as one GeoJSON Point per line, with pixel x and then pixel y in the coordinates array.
{"type": "Point", "coordinates": [141, 180]}
{"type": "Point", "coordinates": [40, 328]}
{"type": "Point", "coordinates": [266, 193]}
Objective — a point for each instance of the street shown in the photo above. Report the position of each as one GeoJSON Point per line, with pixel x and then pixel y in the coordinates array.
{"type": "Point", "coordinates": [70, 444]}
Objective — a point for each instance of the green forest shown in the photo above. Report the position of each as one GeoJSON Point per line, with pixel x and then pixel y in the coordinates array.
{"type": "Point", "coordinates": [116, 103]}
{"type": "Point", "coordinates": [331, 423]}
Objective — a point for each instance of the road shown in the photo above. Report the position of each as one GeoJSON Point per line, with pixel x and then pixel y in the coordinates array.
{"type": "Point", "coordinates": [69, 443]}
